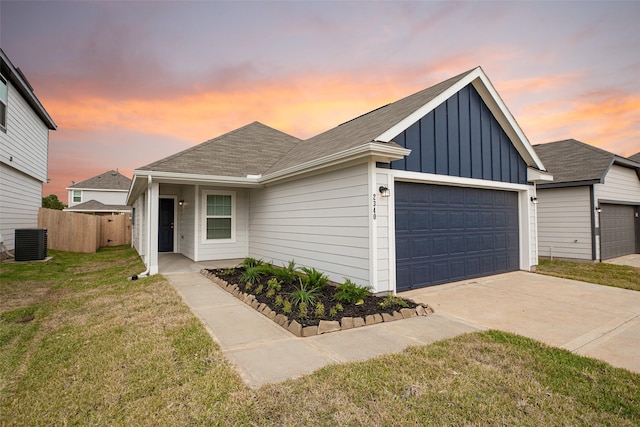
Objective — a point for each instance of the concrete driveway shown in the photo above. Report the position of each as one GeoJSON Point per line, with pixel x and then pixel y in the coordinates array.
{"type": "Point", "coordinates": [591, 320]}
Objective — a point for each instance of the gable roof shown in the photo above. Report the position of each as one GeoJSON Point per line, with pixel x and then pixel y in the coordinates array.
{"type": "Point", "coordinates": [573, 162]}
{"type": "Point", "coordinates": [249, 150]}
{"type": "Point", "coordinates": [96, 206]}
{"type": "Point", "coordinates": [20, 82]}
{"type": "Point", "coordinates": [109, 180]}
{"type": "Point", "coordinates": [635, 157]}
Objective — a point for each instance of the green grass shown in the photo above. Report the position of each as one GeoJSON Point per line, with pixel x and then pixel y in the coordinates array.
{"type": "Point", "coordinates": [81, 345]}
{"type": "Point", "coordinates": [619, 276]}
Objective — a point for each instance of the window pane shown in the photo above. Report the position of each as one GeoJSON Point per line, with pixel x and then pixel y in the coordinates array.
{"type": "Point", "coordinates": [218, 228]}
{"type": "Point", "coordinates": [3, 92]}
{"type": "Point", "coordinates": [77, 196]}
{"type": "Point", "coordinates": [218, 205]}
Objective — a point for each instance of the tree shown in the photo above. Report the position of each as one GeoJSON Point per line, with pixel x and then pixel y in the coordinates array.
{"type": "Point", "coordinates": [52, 202]}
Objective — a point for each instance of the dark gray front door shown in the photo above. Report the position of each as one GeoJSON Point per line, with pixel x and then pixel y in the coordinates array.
{"type": "Point", "coordinates": [445, 234]}
{"type": "Point", "coordinates": [165, 226]}
{"type": "Point", "coordinates": [617, 230]}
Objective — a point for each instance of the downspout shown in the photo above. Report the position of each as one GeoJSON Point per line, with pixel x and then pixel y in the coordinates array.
{"type": "Point", "coordinates": [146, 272]}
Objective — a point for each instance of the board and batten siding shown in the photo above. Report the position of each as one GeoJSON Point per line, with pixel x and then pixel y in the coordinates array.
{"type": "Point", "coordinates": [214, 250]}
{"type": "Point", "coordinates": [564, 223]}
{"type": "Point", "coordinates": [320, 221]}
{"type": "Point", "coordinates": [620, 184]}
{"type": "Point", "coordinates": [20, 200]}
{"type": "Point", "coordinates": [25, 145]}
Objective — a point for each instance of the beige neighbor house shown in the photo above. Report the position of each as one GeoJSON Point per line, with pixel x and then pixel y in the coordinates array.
{"type": "Point", "coordinates": [104, 194]}
{"type": "Point", "coordinates": [432, 188]}
{"type": "Point", "coordinates": [590, 211]}
{"type": "Point", "coordinates": [24, 151]}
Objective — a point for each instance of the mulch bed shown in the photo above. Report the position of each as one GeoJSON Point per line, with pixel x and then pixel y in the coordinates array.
{"type": "Point", "coordinates": [370, 310]}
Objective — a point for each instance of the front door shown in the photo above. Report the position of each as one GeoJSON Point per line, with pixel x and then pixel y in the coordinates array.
{"type": "Point", "coordinates": [165, 226]}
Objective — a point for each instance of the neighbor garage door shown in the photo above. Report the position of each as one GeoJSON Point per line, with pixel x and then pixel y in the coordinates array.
{"type": "Point", "coordinates": [445, 233]}
{"type": "Point", "coordinates": [617, 230]}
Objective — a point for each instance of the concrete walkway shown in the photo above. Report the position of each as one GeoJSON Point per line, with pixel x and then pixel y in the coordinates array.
{"type": "Point", "coordinates": [632, 260]}
{"type": "Point", "coordinates": [591, 320]}
{"type": "Point", "coordinates": [263, 352]}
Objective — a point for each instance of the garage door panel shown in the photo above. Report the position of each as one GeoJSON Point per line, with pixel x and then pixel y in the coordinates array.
{"type": "Point", "coordinates": [617, 230]}
{"type": "Point", "coordinates": [459, 233]}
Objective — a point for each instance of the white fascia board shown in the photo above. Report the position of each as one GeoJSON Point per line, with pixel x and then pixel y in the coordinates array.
{"type": "Point", "coordinates": [96, 189]}
{"type": "Point", "coordinates": [188, 178]}
{"type": "Point", "coordinates": [490, 96]}
{"type": "Point", "coordinates": [430, 178]}
{"type": "Point", "coordinates": [534, 175]}
{"type": "Point", "coordinates": [371, 149]}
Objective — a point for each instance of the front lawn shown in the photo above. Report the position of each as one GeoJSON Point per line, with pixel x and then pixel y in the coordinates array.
{"type": "Point", "coordinates": [619, 276]}
{"type": "Point", "coordinates": [81, 345]}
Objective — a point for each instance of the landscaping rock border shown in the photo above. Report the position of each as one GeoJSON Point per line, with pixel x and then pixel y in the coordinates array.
{"type": "Point", "coordinates": [325, 326]}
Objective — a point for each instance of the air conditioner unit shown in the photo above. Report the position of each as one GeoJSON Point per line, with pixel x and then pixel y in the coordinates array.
{"type": "Point", "coordinates": [31, 244]}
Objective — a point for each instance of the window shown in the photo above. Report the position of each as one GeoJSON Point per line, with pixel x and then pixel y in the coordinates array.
{"type": "Point", "coordinates": [77, 196]}
{"type": "Point", "coordinates": [4, 100]}
{"type": "Point", "coordinates": [218, 216]}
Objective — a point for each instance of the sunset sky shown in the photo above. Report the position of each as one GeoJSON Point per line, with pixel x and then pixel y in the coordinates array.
{"type": "Point", "coordinates": [129, 83]}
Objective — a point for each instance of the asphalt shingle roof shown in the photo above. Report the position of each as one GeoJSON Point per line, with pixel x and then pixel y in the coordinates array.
{"type": "Point", "coordinates": [573, 161]}
{"type": "Point", "coordinates": [109, 180]}
{"type": "Point", "coordinates": [94, 206]}
{"type": "Point", "coordinates": [249, 150]}
{"type": "Point", "coordinates": [362, 129]}
{"type": "Point", "coordinates": [635, 157]}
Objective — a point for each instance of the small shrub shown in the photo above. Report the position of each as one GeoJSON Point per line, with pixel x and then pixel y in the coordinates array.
{"type": "Point", "coordinates": [304, 294]}
{"type": "Point", "coordinates": [315, 278]}
{"type": "Point", "coordinates": [229, 272]}
{"type": "Point", "coordinates": [286, 307]}
{"type": "Point", "coordinates": [259, 289]}
{"type": "Point", "coordinates": [274, 284]}
{"type": "Point", "coordinates": [393, 301]}
{"type": "Point", "coordinates": [319, 311]}
{"type": "Point", "coordinates": [270, 293]}
{"type": "Point", "coordinates": [339, 308]}
{"type": "Point", "coordinates": [288, 274]}
{"type": "Point", "coordinates": [254, 274]}
{"type": "Point", "coordinates": [248, 263]}
{"type": "Point", "coordinates": [350, 293]}
{"type": "Point", "coordinates": [248, 286]}
{"type": "Point", "coordinates": [302, 308]}
{"type": "Point", "coordinates": [279, 300]}
{"type": "Point", "coordinates": [333, 312]}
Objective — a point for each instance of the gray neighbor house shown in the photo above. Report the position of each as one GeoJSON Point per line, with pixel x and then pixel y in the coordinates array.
{"type": "Point", "coordinates": [590, 211]}
{"type": "Point", "coordinates": [104, 194]}
{"type": "Point", "coordinates": [433, 188]}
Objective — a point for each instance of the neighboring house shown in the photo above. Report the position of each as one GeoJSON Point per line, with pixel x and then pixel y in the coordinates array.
{"type": "Point", "coordinates": [104, 194]}
{"type": "Point", "coordinates": [24, 149]}
{"type": "Point", "coordinates": [590, 210]}
{"type": "Point", "coordinates": [433, 188]}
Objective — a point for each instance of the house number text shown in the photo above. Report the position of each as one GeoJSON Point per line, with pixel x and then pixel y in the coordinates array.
{"type": "Point", "coordinates": [374, 206]}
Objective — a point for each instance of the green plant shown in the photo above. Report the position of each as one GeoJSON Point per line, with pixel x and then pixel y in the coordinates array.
{"type": "Point", "coordinates": [259, 289]}
{"type": "Point", "coordinates": [270, 293]}
{"type": "Point", "coordinates": [339, 308]}
{"type": "Point", "coordinates": [248, 286]}
{"type": "Point", "coordinates": [319, 311]}
{"type": "Point", "coordinates": [393, 301]}
{"type": "Point", "coordinates": [255, 273]}
{"type": "Point", "coordinates": [228, 271]}
{"type": "Point", "coordinates": [333, 312]}
{"type": "Point", "coordinates": [274, 284]}
{"type": "Point", "coordinates": [286, 307]}
{"type": "Point", "coordinates": [305, 293]}
{"type": "Point", "coordinates": [287, 274]}
{"type": "Point", "coordinates": [314, 277]}
{"type": "Point", "coordinates": [350, 293]}
{"type": "Point", "coordinates": [279, 300]}
{"type": "Point", "coordinates": [302, 309]}
{"type": "Point", "coordinates": [248, 263]}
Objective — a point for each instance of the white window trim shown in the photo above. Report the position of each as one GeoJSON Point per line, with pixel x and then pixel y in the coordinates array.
{"type": "Point", "coordinates": [6, 105]}
{"type": "Point", "coordinates": [203, 215]}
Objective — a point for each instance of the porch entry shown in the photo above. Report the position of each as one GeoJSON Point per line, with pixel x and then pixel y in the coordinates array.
{"type": "Point", "coordinates": [165, 225]}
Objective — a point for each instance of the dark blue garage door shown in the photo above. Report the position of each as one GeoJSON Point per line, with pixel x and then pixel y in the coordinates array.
{"type": "Point", "coordinates": [445, 234]}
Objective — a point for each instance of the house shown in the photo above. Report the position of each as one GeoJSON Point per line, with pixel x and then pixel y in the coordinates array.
{"type": "Point", "coordinates": [104, 194]}
{"type": "Point", "coordinates": [635, 157]}
{"type": "Point", "coordinates": [433, 188]}
{"type": "Point", "coordinates": [24, 149]}
{"type": "Point", "coordinates": [590, 211]}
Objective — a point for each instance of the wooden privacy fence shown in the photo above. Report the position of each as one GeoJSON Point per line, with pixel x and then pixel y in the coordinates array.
{"type": "Point", "coordinates": [77, 232]}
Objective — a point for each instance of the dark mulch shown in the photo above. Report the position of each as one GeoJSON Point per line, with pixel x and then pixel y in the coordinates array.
{"type": "Point", "coordinates": [371, 303]}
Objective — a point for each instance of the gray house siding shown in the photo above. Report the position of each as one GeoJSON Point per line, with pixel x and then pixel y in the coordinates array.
{"type": "Point", "coordinates": [20, 201]}
{"type": "Point", "coordinates": [319, 221]}
{"type": "Point", "coordinates": [461, 137]}
{"type": "Point", "coordinates": [564, 223]}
